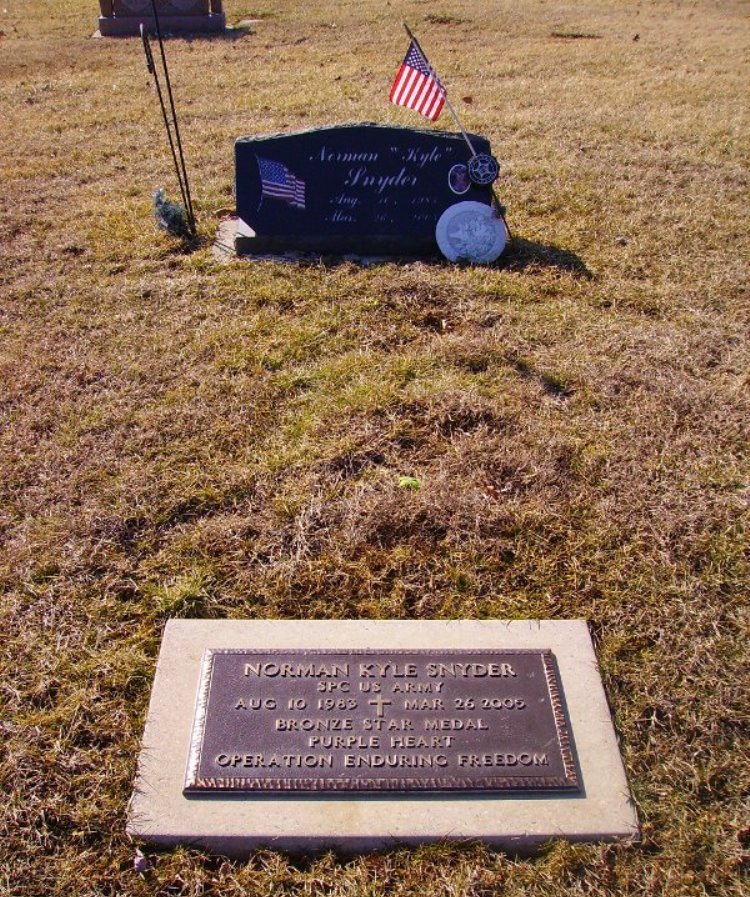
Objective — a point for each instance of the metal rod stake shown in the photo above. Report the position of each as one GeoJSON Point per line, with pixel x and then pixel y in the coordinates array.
{"type": "Point", "coordinates": [189, 202]}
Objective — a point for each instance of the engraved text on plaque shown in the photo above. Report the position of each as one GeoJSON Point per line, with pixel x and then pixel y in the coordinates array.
{"type": "Point", "coordinates": [361, 720]}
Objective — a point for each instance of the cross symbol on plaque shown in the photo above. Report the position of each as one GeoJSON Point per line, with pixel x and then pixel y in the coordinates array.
{"type": "Point", "coordinates": [379, 703]}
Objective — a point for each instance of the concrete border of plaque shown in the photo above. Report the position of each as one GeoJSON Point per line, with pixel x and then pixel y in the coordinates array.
{"type": "Point", "coordinates": [359, 735]}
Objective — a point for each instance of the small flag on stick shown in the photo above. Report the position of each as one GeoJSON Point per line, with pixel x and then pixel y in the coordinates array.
{"type": "Point", "coordinates": [279, 183]}
{"type": "Point", "coordinates": [417, 85]}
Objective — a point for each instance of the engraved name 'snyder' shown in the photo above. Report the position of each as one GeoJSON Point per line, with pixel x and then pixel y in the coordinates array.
{"type": "Point", "coordinates": [372, 720]}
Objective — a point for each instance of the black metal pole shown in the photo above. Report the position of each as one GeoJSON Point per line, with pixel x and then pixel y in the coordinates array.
{"type": "Point", "coordinates": [152, 70]}
{"type": "Point", "coordinates": [189, 202]}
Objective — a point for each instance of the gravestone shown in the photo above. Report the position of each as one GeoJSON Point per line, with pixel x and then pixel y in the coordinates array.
{"type": "Point", "coordinates": [123, 17]}
{"type": "Point", "coordinates": [359, 735]}
{"type": "Point", "coordinates": [394, 720]}
{"type": "Point", "coordinates": [367, 189]}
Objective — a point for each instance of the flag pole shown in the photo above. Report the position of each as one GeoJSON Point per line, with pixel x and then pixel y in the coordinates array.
{"type": "Point", "coordinates": [447, 101]}
{"type": "Point", "coordinates": [152, 70]}
{"type": "Point", "coordinates": [191, 216]}
{"type": "Point", "coordinates": [496, 204]}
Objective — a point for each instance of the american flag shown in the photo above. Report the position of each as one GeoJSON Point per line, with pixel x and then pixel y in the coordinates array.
{"type": "Point", "coordinates": [278, 182]}
{"type": "Point", "coordinates": [417, 85]}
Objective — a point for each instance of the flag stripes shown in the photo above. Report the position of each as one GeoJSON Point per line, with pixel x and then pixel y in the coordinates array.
{"type": "Point", "coordinates": [417, 85]}
{"type": "Point", "coordinates": [278, 182]}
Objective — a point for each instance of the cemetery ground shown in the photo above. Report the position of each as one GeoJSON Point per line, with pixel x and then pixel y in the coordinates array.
{"type": "Point", "coordinates": [561, 435]}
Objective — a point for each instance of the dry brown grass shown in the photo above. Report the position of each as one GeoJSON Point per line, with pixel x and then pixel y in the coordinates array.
{"type": "Point", "coordinates": [179, 437]}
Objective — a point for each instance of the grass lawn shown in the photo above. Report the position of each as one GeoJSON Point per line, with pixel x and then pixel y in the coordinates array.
{"type": "Point", "coordinates": [185, 438]}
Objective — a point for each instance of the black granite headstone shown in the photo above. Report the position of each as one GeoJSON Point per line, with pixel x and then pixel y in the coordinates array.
{"type": "Point", "coordinates": [365, 189]}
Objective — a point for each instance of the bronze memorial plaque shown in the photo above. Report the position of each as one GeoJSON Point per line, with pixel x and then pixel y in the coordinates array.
{"type": "Point", "coordinates": [412, 720]}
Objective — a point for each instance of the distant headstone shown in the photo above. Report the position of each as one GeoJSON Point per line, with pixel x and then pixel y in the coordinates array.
{"type": "Point", "coordinates": [305, 735]}
{"type": "Point", "coordinates": [123, 17]}
{"type": "Point", "coordinates": [366, 189]}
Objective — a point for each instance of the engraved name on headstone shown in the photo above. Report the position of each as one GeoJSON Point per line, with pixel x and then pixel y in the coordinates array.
{"type": "Point", "coordinates": [364, 188]}
{"type": "Point", "coordinates": [418, 720]}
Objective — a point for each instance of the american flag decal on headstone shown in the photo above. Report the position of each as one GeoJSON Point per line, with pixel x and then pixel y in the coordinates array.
{"type": "Point", "coordinates": [277, 182]}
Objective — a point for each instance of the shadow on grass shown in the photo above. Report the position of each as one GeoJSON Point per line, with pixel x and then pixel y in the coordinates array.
{"type": "Point", "coordinates": [230, 33]}
{"type": "Point", "coordinates": [522, 254]}
{"type": "Point", "coordinates": [186, 245]}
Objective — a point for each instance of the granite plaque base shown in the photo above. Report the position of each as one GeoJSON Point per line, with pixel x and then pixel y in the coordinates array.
{"type": "Point", "coordinates": [359, 735]}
